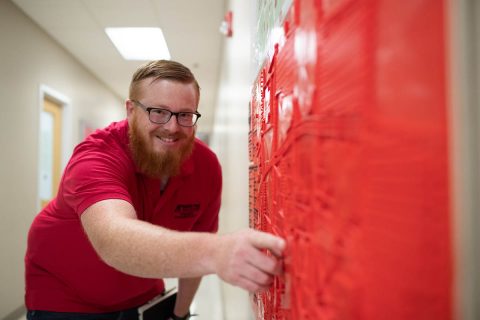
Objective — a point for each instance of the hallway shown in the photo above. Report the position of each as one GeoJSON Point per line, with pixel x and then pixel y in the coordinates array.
{"type": "Point", "coordinates": [348, 128]}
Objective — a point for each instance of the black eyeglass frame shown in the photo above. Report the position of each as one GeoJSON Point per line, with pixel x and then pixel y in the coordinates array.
{"type": "Point", "coordinates": [149, 109]}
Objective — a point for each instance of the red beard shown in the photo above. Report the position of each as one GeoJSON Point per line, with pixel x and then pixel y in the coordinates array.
{"type": "Point", "coordinates": [154, 164]}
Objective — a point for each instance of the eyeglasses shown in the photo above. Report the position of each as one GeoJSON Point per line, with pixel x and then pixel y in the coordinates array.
{"type": "Point", "coordinates": [162, 116]}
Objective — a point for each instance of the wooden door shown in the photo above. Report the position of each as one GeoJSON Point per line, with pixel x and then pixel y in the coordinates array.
{"type": "Point", "coordinates": [50, 150]}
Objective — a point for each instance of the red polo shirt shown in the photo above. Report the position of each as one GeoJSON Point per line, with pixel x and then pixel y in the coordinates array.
{"type": "Point", "coordinates": [63, 272]}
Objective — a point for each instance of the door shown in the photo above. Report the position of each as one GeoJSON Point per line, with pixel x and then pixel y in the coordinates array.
{"type": "Point", "coordinates": [50, 150]}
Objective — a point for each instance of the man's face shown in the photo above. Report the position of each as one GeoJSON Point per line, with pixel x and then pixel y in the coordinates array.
{"type": "Point", "coordinates": [160, 149]}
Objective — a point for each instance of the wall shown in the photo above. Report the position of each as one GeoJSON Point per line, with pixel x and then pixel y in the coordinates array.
{"type": "Point", "coordinates": [230, 140]}
{"type": "Point", "coordinates": [30, 58]}
{"type": "Point", "coordinates": [464, 118]}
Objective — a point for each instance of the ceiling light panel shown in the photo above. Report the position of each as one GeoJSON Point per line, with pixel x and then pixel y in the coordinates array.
{"type": "Point", "coordinates": [139, 43]}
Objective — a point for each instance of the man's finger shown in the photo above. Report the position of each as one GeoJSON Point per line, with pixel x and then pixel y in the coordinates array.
{"type": "Point", "coordinates": [256, 275]}
{"type": "Point", "coordinates": [263, 262]}
{"type": "Point", "coordinates": [263, 240]}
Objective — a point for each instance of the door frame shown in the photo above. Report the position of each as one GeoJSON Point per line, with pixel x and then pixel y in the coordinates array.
{"type": "Point", "coordinates": [46, 92]}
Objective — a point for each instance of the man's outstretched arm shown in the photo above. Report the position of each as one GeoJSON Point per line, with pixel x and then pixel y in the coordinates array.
{"type": "Point", "coordinates": [142, 249]}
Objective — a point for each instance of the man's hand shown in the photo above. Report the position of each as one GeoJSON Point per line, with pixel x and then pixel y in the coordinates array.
{"type": "Point", "coordinates": [241, 259]}
{"type": "Point", "coordinates": [175, 317]}
{"type": "Point", "coordinates": [248, 258]}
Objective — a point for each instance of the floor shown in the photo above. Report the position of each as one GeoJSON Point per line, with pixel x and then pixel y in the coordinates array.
{"type": "Point", "coordinates": [216, 300]}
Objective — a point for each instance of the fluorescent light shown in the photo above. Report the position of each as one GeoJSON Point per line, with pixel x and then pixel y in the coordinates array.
{"type": "Point", "coordinates": [139, 43]}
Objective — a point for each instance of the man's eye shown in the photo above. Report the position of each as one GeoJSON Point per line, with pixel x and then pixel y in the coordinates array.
{"type": "Point", "coordinates": [160, 112]}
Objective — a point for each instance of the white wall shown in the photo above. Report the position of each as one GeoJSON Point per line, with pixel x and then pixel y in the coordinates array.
{"type": "Point", "coordinates": [30, 58]}
{"type": "Point", "coordinates": [464, 90]}
{"type": "Point", "coordinates": [230, 139]}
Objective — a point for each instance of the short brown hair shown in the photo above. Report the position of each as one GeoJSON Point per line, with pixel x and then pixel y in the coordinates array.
{"type": "Point", "coordinates": [162, 69]}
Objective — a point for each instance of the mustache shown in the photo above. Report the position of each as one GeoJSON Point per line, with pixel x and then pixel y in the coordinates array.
{"type": "Point", "coordinates": [169, 135]}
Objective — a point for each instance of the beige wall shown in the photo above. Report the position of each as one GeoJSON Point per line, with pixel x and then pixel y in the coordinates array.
{"type": "Point", "coordinates": [29, 59]}
{"type": "Point", "coordinates": [464, 90]}
{"type": "Point", "coordinates": [230, 139]}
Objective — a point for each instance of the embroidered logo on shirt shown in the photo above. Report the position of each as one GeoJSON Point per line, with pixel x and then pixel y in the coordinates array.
{"type": "Point", "coordinates": [186, 210]}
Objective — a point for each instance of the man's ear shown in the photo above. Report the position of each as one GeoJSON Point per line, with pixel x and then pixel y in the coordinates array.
{"type": "Point", "coordinates": [129, 106]}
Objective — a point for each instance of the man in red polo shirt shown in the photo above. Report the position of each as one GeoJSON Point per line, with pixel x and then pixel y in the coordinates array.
{"type": "Point", "coordinates": [139, 201]}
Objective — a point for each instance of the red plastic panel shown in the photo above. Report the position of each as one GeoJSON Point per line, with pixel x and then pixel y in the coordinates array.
{"type": "Point", "coordinates": [348, 150]}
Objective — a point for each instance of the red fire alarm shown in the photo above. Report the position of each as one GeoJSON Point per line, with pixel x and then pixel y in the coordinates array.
{"type": "Point", "coordinates": [226, 27]}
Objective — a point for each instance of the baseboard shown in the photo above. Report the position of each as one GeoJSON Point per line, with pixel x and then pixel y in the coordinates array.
{"type": "Point", "coordinates": [16, 314]}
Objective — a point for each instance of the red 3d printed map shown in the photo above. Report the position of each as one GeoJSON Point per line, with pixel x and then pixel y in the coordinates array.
{"type": "Point", "coordinates": [348, 158]}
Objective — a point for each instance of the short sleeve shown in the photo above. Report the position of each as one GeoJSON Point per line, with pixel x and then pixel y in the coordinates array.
{"type": "Point", "coordinates": [208, 222]}
{"type": "Point", "coordinates": [92, 176]}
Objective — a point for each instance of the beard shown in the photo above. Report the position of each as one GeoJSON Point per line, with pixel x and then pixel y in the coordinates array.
{"type": "Point", "coordinates": [158, 164]}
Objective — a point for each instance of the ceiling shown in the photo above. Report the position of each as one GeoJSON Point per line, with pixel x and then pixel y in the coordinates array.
{"type": "Point", "coordinates": [190, 27]}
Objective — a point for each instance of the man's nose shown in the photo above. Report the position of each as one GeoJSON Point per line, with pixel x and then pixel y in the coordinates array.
{"type": "Point", "coordinates": [172, 124]}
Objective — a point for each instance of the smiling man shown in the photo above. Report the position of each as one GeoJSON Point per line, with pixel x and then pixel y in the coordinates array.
{"type": "Point", "coordinates": [138, 202]}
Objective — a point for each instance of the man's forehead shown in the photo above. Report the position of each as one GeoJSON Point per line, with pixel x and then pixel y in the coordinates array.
{"type": "Point", "coordinates": [152, 83]}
